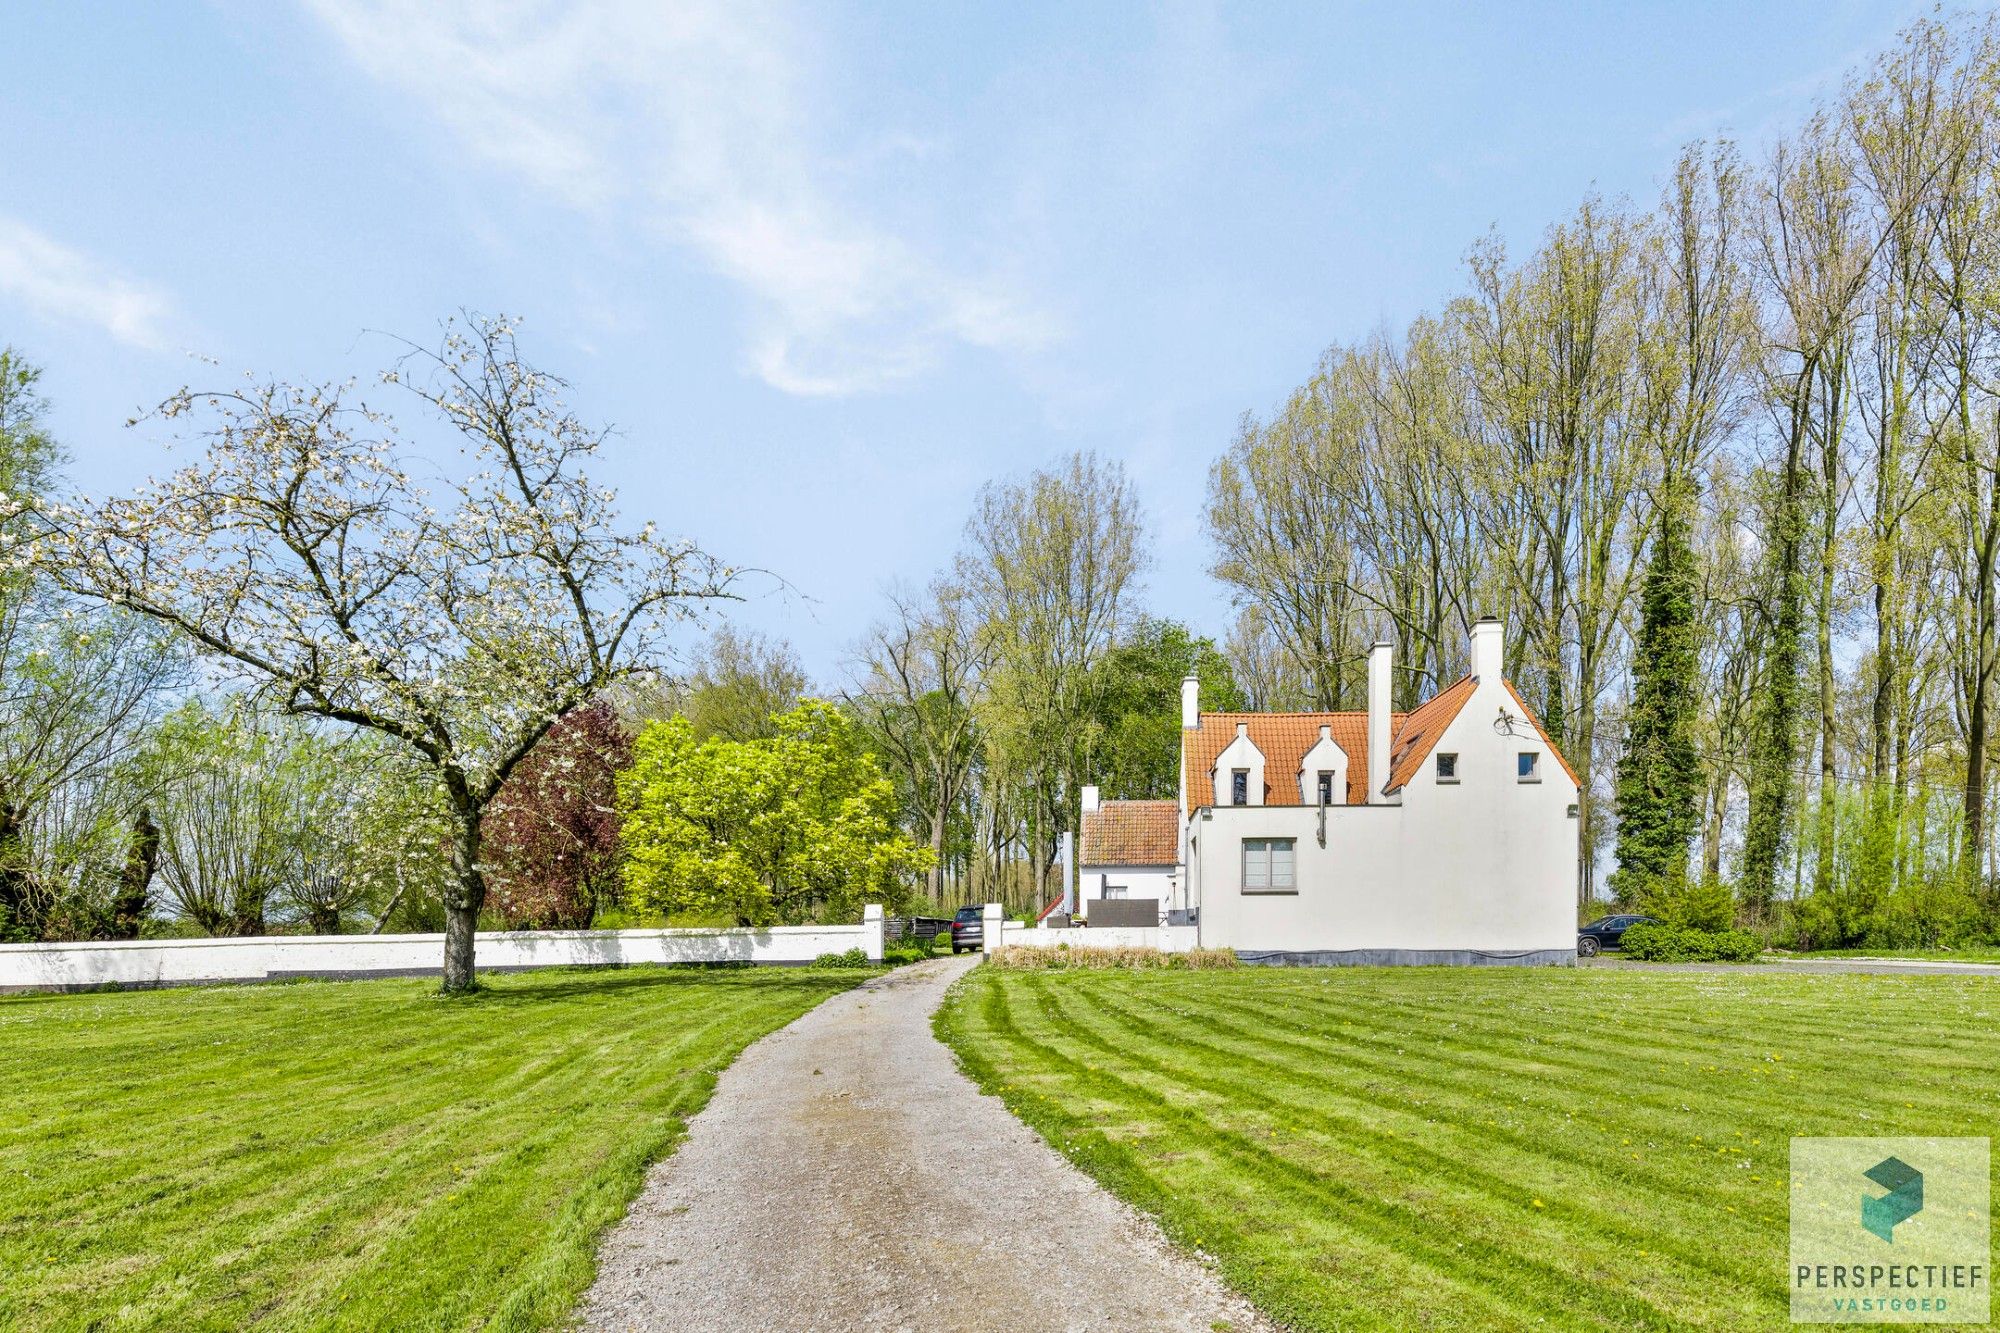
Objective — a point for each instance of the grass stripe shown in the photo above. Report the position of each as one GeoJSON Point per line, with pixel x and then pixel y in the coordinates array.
{"type": "Point", "coordinates": [349, 1155]}
{"type": "Point", "coordinates": [1509, 1277]}
{"type": "Point", "coordinates": [1360, 1149]}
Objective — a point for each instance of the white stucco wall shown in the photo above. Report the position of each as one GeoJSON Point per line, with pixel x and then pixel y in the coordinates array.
{"type": "Point", "coordinates": [1488, 863]}
{"type": "Point", "coordinates": [1325, 756]}
{"type": "Point", "coordinates": [1140, 882]}
{"type": "Point", "coordinates": [1241, 753]}
{"type": "Point", "coordinates": [262, 958]}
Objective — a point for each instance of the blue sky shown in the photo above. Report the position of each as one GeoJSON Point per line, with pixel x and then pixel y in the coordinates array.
{"type": "Point", "coordinates": [830, 268]}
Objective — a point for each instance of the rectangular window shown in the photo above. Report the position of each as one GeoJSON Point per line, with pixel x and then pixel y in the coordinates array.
{"type": "Point", "coordinates": [1529, 766]}
{"type": "Point", "coordinates": [1268, 866]}
{"type": "Point", "coordinates": [1447, 768]}
{"type": "Point", "coordinates": [1325, 788]}
{"type": "Point", "coordinates": [1239, 787]}
{"type": "Point", "coordinates": [1114, 890]}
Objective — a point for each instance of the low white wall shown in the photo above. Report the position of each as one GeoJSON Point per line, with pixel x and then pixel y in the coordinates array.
{"type": "Point", "coordinates": [1167, 939]}
{"type": "Point", "coordinates": [265, 958]}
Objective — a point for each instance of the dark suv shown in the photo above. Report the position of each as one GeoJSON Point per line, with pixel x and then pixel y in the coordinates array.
{"type": "Point", "coordinates": [1605, 932]}
{"type": "Point", "coordinates": [968, 929]}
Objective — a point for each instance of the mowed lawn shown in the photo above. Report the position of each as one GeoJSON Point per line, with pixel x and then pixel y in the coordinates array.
{"type": "Point", "coordinates": [349, 1154]}
{"type": "Point", "coordinates": [1431, 1148]}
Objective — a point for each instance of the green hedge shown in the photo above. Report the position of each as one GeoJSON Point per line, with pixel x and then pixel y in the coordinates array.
{"type": "Point", "coordinates": [1661, 943]}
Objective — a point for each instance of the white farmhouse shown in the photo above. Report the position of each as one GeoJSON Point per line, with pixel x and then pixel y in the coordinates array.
{"type": "Point", "coordinates": [1131, 854]}
{"type": "Point", "coordinates": [1447, 834]}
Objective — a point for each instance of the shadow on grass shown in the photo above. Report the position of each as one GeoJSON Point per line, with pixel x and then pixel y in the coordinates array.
{"type": "Point", "coordinates": [521, 988]}
{"type": "Point", "coordinates": [504, 988]}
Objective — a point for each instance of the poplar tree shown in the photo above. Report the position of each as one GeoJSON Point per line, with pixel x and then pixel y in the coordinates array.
{"type": "Point", "coordinates": [1659, 782]}
{"type": "Point", "coordinates": [1691, 366]}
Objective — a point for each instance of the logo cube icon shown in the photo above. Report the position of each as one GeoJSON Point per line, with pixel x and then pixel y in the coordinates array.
{"type": "Point", "coordinates": [1904, 1200]}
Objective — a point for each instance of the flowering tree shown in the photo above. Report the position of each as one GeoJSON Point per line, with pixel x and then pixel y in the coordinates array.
{"type": "Point", "coordinates": [463, 619]}
{"type": "Point", "coordinates": [551, 836]}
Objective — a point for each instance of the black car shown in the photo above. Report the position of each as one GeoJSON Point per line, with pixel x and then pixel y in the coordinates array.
{"type": "Point", "coordinates": [1606, 931]}
{"type": "Point", "coordinates": [968, 930]}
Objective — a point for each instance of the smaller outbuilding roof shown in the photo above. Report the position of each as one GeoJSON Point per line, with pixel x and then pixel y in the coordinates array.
{"type": "Point", "coordinates": [1132, 833]}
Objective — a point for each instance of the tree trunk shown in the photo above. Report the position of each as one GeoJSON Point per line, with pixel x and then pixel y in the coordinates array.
{"type": "Point", "coordinates": [1829, 778]}
{"type": "Point", "coordinates": [459, 925]}
{"type": "Point", "coordinates": [939, 817]}
{"type": "Point", "coordinates": [1979, 707]}
{"type": "Point", "coordinates": [1718, 808]}
{"type": "Point", "coordinates": [1774, 743]}
{"type": "Point", "coordinates": [248, 919]}
{"type": "Point", "coordinates": [142, 857]}
{"type": "Point", "coordinates": [465, 896]}
{"type": "Point", "coordinates": [20, 908]}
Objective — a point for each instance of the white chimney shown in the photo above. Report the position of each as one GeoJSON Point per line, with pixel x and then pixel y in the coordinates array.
{"type": "Point", "coordinates": [1090, 800]}
{"type": "Point", "coordinates": [1190, 703]}
{"type": "Point", "coordinates": [1380, 658]}
{"type": "Point", "coordinates": [1487, 649]}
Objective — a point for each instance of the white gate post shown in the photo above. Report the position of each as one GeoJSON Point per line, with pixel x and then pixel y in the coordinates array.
{"type": "Point", "coordinates": [874, 932]}
{"type": "Point", "coordinates": [990, 926]}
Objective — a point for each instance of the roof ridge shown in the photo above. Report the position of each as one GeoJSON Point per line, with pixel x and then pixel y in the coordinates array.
{"type": "Point", "coordinates": [1323, 712]}
{"type": "Point", "coordinates": [1337, 712]}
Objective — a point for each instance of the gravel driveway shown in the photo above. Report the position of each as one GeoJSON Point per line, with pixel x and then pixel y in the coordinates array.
{"type": "Point", "coordinates": [847, 1176]}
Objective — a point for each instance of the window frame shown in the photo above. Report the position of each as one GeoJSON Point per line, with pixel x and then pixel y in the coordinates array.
{"type": "Point", "coordinates": [1534, 766]}
{"type": "Point", "coordinates": [1267, 847]}
{"type": "Point", "coordinates": [1323, 785]}
{"type": "Point", "coordinates": [1239, 786]}
{"type": "Point", "coordinates": [1443, 778]}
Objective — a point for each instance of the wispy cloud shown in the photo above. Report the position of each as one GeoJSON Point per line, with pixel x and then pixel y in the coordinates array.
{"type": "Point", "coordinates": [61, 283]}
{"type": "Point", "coordinates": [704, 123]}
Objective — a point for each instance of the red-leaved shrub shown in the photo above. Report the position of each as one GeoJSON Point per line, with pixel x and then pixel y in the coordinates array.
{"type": "Point", "coordinates": [551, 836]}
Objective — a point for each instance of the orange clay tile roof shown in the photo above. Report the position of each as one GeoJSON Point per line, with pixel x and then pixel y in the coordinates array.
{"type": "Point", "coordinates": [1132, 833]}
{"type": "Point", "coordinates": [1284, 739]}
{"type": "Point", "coordinates": [1411, 741]}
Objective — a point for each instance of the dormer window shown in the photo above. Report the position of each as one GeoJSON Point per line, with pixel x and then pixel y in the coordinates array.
{"type": "Point", "coordinates": [1447, 768]}
{"type": "Point", "coordinates": [1325, 787]}
{"type": "Point", "coordinates": [1239, 787]}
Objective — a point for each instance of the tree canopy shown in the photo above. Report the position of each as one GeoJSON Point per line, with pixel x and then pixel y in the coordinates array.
{"type": "Point", "coordinates": [797, 827]}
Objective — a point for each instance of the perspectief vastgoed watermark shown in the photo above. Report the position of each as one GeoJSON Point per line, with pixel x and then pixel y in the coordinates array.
{"type": "Point", "coordinates": [1891, 1230]}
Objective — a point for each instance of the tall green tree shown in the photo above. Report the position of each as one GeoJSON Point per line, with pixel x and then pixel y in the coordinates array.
{"type": "Point", "coordinates": [1659, 783]}
{"type": "Point", "coordinates": [739, 681]}
{"type": "Point", "coordinates": [78, 692]}
{"type": "Point", "coordinates": [1138, 700]}
{"type": "Point", "coordinates": [1812, 268]}
{"type": "Point", "coordinates": [1692, 366]}
{"type": "Point", "coordinates": [922, 670]}
{"type": "Point", "coordinates": [1052, 565]}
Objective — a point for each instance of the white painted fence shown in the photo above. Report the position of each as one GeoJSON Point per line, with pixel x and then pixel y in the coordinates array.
{"type": "Point", "coordinates": [1167, 939]}
{"type": "Point", "coordinates": [271, 957]}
